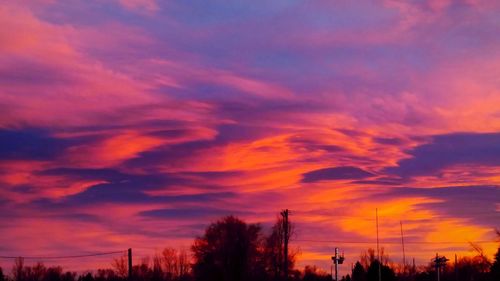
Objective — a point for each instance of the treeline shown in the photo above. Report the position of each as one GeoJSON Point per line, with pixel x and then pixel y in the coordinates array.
{"type": "Point", "coordinates": [232, 250]}
{"type": "Point", "coordinates": [475, 268]}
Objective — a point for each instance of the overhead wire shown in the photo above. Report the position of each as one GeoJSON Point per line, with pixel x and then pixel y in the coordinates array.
{"type": "Point", "coordinates": [394, 243]}
{"type": "Point", "coordinates": [63, 257]}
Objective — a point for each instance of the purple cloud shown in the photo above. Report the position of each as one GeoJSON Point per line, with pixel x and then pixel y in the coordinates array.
{"type": "Point", "coordinates": [449, 150]}
{"type": "Point", "coordinates": [336, 173]}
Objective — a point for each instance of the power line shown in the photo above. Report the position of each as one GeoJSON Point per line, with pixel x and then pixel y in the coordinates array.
{"type": "Point", "coordinates": [393, 242]}
{"type": "Point", "coordinates": [435, 215]}
{"type": "Point", "coordinates": [63, 257]}
{"type": "Point", "coordinates": [417, 218]}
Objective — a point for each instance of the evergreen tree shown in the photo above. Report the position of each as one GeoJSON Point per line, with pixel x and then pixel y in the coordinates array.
{"type": "Point", "coordinates": [386, 272]}
{"type": "Point", "coordinates": [358, 273]}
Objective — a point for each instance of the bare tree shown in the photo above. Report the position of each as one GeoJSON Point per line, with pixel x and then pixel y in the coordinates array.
{"type": "Point", "coordinates": [37, 272]}
{"type": "Point", "coordinates": [18, 270]}
{"type": "Point", "coordinates": [274, 245]}
{"type": "Point", "coordinates": [121, 266]}
{"type": "Point", "coordinates": [157, 270]}
{"type": "Point", "coordinates": [273, 251]}
{"type": "Point", "coordinates": [480, 260]}
{"type": "Point", "coordinates": [183, 263]}
{"type": "Point", "coordinates": [369, 256]}
{"type": "Point", "coordinates": [170, 262]}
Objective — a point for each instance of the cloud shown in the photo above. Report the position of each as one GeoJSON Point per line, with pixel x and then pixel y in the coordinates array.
{"type": "Point", "coordinates": [336, 173]}
{"type": "Point", "coordinates": [52, 61]}
{"type": "Point", "coordinates": [477, 204]}
{"type": "Point", "coordinates": [140, 5]}
{"type": "Point", "coordinates": [112, 150]}
{"type": "Point", "coordinates": [114, 186]}
{"type": "Point", "coordinates": [388, 141]}
{"type": "Point", "coordinates": [449, 150]}
{"type": "Point", "coordinates": [133, 193]}
{"type": "Point", "coordinates": [383, 181]}
{"type": "Point", "coordinates": [191, 213]}
{"type": "Point", "coordinates": [34, 144]}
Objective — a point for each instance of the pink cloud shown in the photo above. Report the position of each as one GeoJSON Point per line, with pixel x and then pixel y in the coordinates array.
{"type": "Point", "coordinates": [140, 5]}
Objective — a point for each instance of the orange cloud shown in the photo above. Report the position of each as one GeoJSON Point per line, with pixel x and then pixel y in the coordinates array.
{"type": "Point", "coordinates": [111, 151]}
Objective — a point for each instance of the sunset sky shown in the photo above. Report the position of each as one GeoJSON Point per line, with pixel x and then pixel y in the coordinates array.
{"type": "Point", "coordinates": [136, 123]}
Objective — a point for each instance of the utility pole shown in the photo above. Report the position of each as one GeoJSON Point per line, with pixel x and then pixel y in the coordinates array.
{"type": "Point", "coordinates": [403, 243]}
{"type": "Point", "coordinates": [130, 264]}
{"type": "Point", "coordinates": [337, 260]}
{"type": "Point", "coordinates": [285, 213]}
{"type": "Point", "coordinates": [378, 248]}
{"type": "Point", "coordinates": [456, 268]}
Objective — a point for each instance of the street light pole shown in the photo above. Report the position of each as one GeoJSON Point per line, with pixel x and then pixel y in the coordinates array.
{"type": "Point", "coordinates": [337, 259]}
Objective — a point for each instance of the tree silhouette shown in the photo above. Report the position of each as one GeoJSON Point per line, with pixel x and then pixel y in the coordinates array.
{"type": "Point", "coordinates": [369, 256]}
{"type": "Point", "coordinates": [311, 273]}
{"type": "Point", "coordinates": [183, 264]}
{"type": "Point", "coordinates": [157, 274]}
{"type": "Point", "coordinates": [121, 266]}
{"type": "Point", "coordinates": [18, 270]}
{"type": "Point", "coordinates": [386, 272]}
{"type": "Point", "coordinates": [38, 271]}
{"type": "Point", "coordinates": [346, 278]}
{"type": "Point", "coordinates": [231, 250]}
{"type": "Point", "coordinates": [142, 271]}
{"type": "Point", "coordinates": [495, 267]}
{"type": "Point", "coordinates": [170, 263]}
{"type": "Point", "coordinates": [359, 272]}
{"type": "Point", "coordinates": [86, 277]}
{"type": "Point", "coordinates": [176, 265]}
{"type": "Point", "coordinates": [228, 251]}
{"type": "Point", "coordinates": [274, 250]}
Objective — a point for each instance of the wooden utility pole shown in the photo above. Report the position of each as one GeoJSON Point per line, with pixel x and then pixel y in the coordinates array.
{"type": "Point", "coordinates": [286, 234]}
{"type": "Point", "coordinates": [130, 264]}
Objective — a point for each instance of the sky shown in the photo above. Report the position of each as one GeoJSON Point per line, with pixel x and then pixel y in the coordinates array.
{"type": "Point", "coordinates": [136, 123]}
